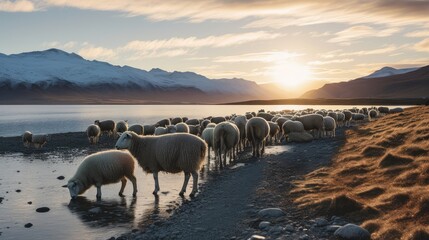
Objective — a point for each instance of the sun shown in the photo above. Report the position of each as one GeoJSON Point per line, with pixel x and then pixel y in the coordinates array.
{"type": "Point", "coordinates": [291, 75]}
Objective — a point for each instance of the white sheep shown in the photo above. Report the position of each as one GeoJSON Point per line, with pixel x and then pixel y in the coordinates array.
{"type": "Point", "coordinates": [207, 136]}
{"type": "Point", "coordinates": [26, 138]}
{"type": "Point", "coordinates": [137, 128]}
{"type": "Point", "coordinates": [217, 120]}
{"type": "Point", "coordinates": [372, 114]}
{"type": "Point", "coordinates": [194, 129]}
{"type": "Point", "coordinates": [341, 118]}
{"type": "Point", "coordinates": [292, 126]}
{"type": "Point", "coordinates": [274, 130]}
{"type": "Point", "coordinates": [193, 121]}
{"type": "Point", "coordinates": [149, 129]}
{"type": "Point", "coordinates": [122, 126]}
{"type": "Point", "coordinates": [257, 131]}
{"type": "Point", "coordinates": [108, 126]}
{"type": "Point", "coordinates": [300, 137]}
{"type": "Point", "coordinates": [330, 126]}
{"type": "Point", "coordinates": [240, 121]}
{"type": "Point", "coordinates": [171, 153]}
{"type": "Point", "coordinates": [160, 131]}
{"type": "Point", "coordinates": [211, 125]}
{"type": "Point", "coordinates": [396, 110]}
{"type": "Point", "coordinates": [225, 137]}
{"type": "Point", "coordinates": [176, 120]}
{"type": "Point", "coordinates": [103, 168]}
{"type": "Point", "coordinates": [312, 122]}
{"type": "Point", "coordinates": [38, 141]}
{"type": "Point", "coordinates": [347, 117]}
{"type": "Point", "coordinates": [93, 133]}
{"type": "Point", "coordinates": [182, 128]}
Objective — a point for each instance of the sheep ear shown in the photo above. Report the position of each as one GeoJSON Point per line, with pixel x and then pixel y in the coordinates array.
{"type": "Point", "coordinates": [128, 134]}
{"type": "Point", "coordinates": [64, 186]}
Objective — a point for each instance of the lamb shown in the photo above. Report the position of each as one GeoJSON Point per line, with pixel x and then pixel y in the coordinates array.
{"type": "Point", "coordinates": [121, 126]}
{"type": "Point", "coordinates": [149, 129]}
{"type": "Point", "coordinates": [274, 130]}
{"type": "Point", "coordinates": [176, 120]}
{"type": "Point", "coordinates": [207, 136]}
{"type": "Point", "coordinates": [163, 123]}
{"type": "Point", "coordinates": [106, 126]}
{"type": "Point", "coordinates": [182, 128]}
{"type": "Point", "coordinates": [137, 128]}
{"type": "Point", "coordinates": [218, 120]}
{"type": "Point", "coordinates": [193, 122]}
{"type": "Point", "coordinates": [257, 130]}
{"type": "Point", "coordinates": [330, 125]}
{"type": "Point", "coordinates": [347, 117]}
{"type": "Point", "coordinates": [292, 126]}
{"type": "Point", "coordinates": [93, 132]}
{"type": "Point", "coordinates": [241, 121]}
{"type": "Point", "coordinates": [103, 168]}
{"type": "Point", "coordinates": [225, 137]}
{"type": "Point", "coordinates": [171, 153]}
{"type": "Point", "coordinates": [312, 122]}
{"type": "Point", "coordinates": [194, 129]}
{"type": "Point", "coordinates": [26, 138]}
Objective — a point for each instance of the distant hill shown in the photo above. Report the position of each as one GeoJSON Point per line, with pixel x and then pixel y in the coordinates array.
{"type": "Point", "coordinates": [389, 71]}
{"type": "Point", "coordinates": [411, 84]}
{"type": "Point", "coordinates": [55, 76]}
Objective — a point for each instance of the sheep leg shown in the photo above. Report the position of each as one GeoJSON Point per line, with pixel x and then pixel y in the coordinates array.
{"type": "Point", "coordinates": [123, 184]}
{"type": "Point", "coordinates": [98, 191]}
{"type": "Point", "coordinates": [134, 182]}
{"type": "Point", "coordinates": [155, 177]}
{"type": "Point", "coordinates": [185, 183]}
{"type": "Point", "coordinates": [195, 183]}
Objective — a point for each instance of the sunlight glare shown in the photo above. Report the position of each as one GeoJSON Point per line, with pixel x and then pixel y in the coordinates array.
{"type": "Point", "coordinates": [291, 75]}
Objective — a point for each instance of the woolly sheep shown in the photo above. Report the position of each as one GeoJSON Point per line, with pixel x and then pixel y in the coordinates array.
{"type": "Point", "coordinates": [194, 129]}
{"type": "Point", "coordinates": [185, 119]}
{"type": "Point", "coordinates": [384, 110]}
{"type": "Point", "coordinates": [163, 123]}
{"type": "Point", "coordinates": [106, 126]}
{"type": "Point", "coordinates": [312, 122]}
{"type": "Point", "coordinates": [121, 126]}
{"type": "Point", "coordinates": [347, 118]}
{"type": "Point", "coordinates": [257, 130]}
{"type": "Point", "coordinates": [176, 120]}
{"type": "Point", "coordinates": [341, 118]}
{"type": "Point", "coordinates": [204, 124]}
{"type": "Point", "coordinates": [160, 131]}
{"type": "Point", "coordinates": [93, 133]}
{"type": "Point", "coordinates": [26, 138]}
{"type": "Point", "coordinates": [240, 121]}
{"type": "Point", "coordinates": [225, 137]}
{"type": "Point", "coordinates": [265, 116]}
{"type": "Point", "coordinates": [182, 128]}
{"type": "Point", "coordinates": [218, 120]}
{"type": "Point", "coordinates": [149, 129]}
{"type": "Point", "coordinates": [330, 125]}
{"type": "Point", "coordinates": [300, 137]}
{"type": "Point", "coordinates": [38, 141]}
{"type": "Point", "coordinates": [274, 130]}
{"type": "Point", "coordinates": [207, 136]}
{"type": "Point", "coordinates": [193, 122]}
{"type": "Point", "coordinates": [137, 128]}
{"type": "Point", "coordinates": [248, 116]}
{"type": "Point", "coordinates": [291, 126]}
{"type": "Point", "coordinates": [396, 110]}
{"type": "Point", "coordinates": [372, 114]}
{"type": "Point", "coordinates": [333, 115]}
{"type": "Point", "coordinates": [171, 153]}
{"type": "Point", "coordinates": [211, 125]}
{"type": "Point", "coordinates": [358, 117]}
{"type": "Point", "coordinates": [103, 168]}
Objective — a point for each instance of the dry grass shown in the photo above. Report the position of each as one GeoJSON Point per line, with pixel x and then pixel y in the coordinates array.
{"type": "Point", "coordinates": [380, 178]}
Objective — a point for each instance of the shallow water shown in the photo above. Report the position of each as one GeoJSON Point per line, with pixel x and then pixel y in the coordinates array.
{"type": "Point", "coordinates": [36, 176]}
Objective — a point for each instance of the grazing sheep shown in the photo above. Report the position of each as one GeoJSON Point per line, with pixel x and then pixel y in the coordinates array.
{"type": "Point", "coordinates": [292, 126]}
{"type": "Point", "coordinates": [358, 117]}
{"type": "Point", "coordinates": [121, 126]}
{"type": "Point", "coordinates": [341, 118]}
{"type": "Point", "coordinates": [137, 128]}
{"type": "Point", "coordinates": [103, 168]}
{"type": "Point", "coordinates": [240, 121]}
{"type": "Point", "coordinates": [274, 130]}
{"type": "Point", "coordinates": [26, 138]}
{"type": "Point", "coordinates": [300, 137]}
{"type": "Point", "coordinates": [106, 126]}
{"type": "Point", "coordinates": [171, 153]}
{"type": "Point", "coordinates": [383, 110]}
{"type": "Point", "coordinates": [93, 132]}
{"type": "Point", "coordinates": [176, 120]}
{"type": "Point", "coordinates": [194, 129]}
{"type": "Point", "coordinates": [396, 110]}
{"type": "Point", "coordinates": [257, 130]}
{"type": "Point", "coordinates": [182, 128]}
{"type": "Point", "coordinates": [225, 137]}
{"type": "Point", "coordinates": [280, 121]}
{"type": "Point", "coordinates": [163, 123]}
{"type": "Point", "coordinates": [372, 114]}
{"type": "Point", "coordinates": [149, 129]}
{"type": "Point", "coordinates": [218, 120]}
{"type": "Point", "coordinates": [266, 116]}
{"type": "Point", "coordinates": [207, 136]}
{"type": "Point", "coordinates": [330, 125]}
{"type": "Point", "coordinates": [193, 122]}
{"type": "Point", "coordinates": [160, 131]}
{"type": "Point", "coordinates": [38, 141]}
{"type": "Point", "coordinates": [347, 117]}
{"type": "Point", "coordinates": [312, 122]}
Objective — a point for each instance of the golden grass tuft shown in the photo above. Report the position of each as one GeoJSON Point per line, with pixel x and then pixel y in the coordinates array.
{"type": "Point", "coordinates": [379, 178]}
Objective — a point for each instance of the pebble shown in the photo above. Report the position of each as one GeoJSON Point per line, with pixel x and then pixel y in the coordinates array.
{"type": "Point", "coordinates": [352, 232]}
{"type": "Point", "coordinates": [42, 209]}
{"type": "Point", "coordinates": [1, 199]}
{"type": "Point", "coordinates": [256, 237]}
{"type": "Point", "coordinates": [321, 222]}
{"type": "Point", "coordinates": [29, 202]}
{"type": "Point", "coordinates": [95, 210]}
{"type": "Point", "coordinates": [289, 228]}
{"type": "Point", "coordinates": [304, 237]}
{"type": "Point", "coordinates": [18, 190]}
{"type": "Point", "coordinates": [28, 225]}
{"type": "Point", "coordinates": [270, 212]}
{"type": "Point", "coordinates": [264, 224]}
{"type": "Point", "coordinates": [60, 177]}
{"type": "Point", "coordinates": [276, 230]}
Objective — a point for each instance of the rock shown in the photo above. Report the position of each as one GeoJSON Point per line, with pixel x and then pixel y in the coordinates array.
{"type": "Point", "coordinates": [304, 237]}
{"type": "Point", "coordinates": [276, 230]}
{"type": "Point", "coordinates": [270, 212]}
{"type": "Point", "coordinates": [28, 225]}
{"type": "Point", "coordinates": [95, 210]}
{"type": "Point", "coordinates": [42, 209]}
{"type": "Point", "coordinates": [29, 202]}
{"type": "Point", "coordinates": [60, 177]}
{"type": "Point", "coordinates": [256, 237]}
{"type": "Point", "coordinates": [289, 228]}
{"type": "Point", "coordinates": [332, 228]}
{"type": "Point", "coordinates": [352, 232]}
{"type": "Point", "coordinates": [18, 190]}
{"type": "Point", "coordinates": [321, 222]}
{"type": "Point", "coordinates": [1, 199]}
{"type": "Point", "coordinates": [264, 225]}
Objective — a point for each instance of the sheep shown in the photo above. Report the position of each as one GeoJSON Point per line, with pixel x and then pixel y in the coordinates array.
{"type": "Point", "coordinates": [241, 121]}
{"type": "Point", "coordinates": [148, 129]}
{"type": "Point", "coordinates": [333, 115]}
{"type": "Point", "coordinates": [257, 130]}
{"type": "Point", "coordinates": [121, 126]}
{"type": "Point", "coordinates": [38, 141]}
{"type": "Point", "coordinates": [396, 110]}
{"type": "Point", "coordinates": [225, 137]}
{"type": "Point", "coordinates": [163, 123]}
{"type": "Point", "coordinates": [160, 131]}
{"type": "Point", "coordinates": [108, 126]}
{"type": "Point", "coordinates": [103, 168]}
{"type": "Point", "coordinates": [248, 116]}
{"type": "Point", "coordinates": [341, 118]}
{"type": "Point", "coordinates": [204, 124]}
{"type": "Point", "coordinates": [26, 138]}
{"type": "Point", "coordinates": [300, 137]}
{"type": "Point", "coordinates": [218, 120]}
{"type": "Point", "coordinates": [383, 110]}
{"type": "Point", "coordinates": [265, 116]}
{"type": "Point", "coordinates": [137, 128]}
{"type": "Point", "coordinates": [329, 125]}
{"type": "Point", "coordinates": [292, 126]}
{"type": "Point", "coordinates": [312, 122]}
{"type": "Point", "coordinates": [358, 117]}
{"type": "Point", "coordinates": [211, 125]}
{"type": "Point", "coordinates": [93, 132]}
{"type": "Point", "coordinates": [185, 119]}
{"type": "Point", "coordinates": [182, 128]}
{"type": "Point", "coordinates": [194, 129]}
{"type": "Point", "coordinates": [207, 136]}
{"type": "Point", "coordinates": [193, 122]}
{"type": "Point", "coordinates": [171, 153]}
{"type": "Point", "coordinates": [274, 130]}
{"type": "Point", "coordinates": [176, 120]}
{"type": "Point", "coordinates": [347, 117]}
{"type": "Point", "coordinates": [372, 114]}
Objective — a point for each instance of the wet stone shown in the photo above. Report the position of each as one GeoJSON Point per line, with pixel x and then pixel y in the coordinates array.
{"type": "Point", "coordinates": [29, 202]}
{"type": "Point", "coordinates": [321, 222]}
{"type": "Point", "coordinates": [28, 225]}
{"type": "Point", "coordinates": [18, 190]}
{"type": "Point", "coordinates": [270, 212]}
{"type": "Point", "coordinates": [352, 232]}
{"type": "Point", "coordinates": [264, 225]}
{"type": "Point", "coordinates": [289, 228]}
{"type": "Point", "coordinates": [256, 237]}
{"type": "Point", "coordinates": [60, 177]}
{"type": "Point", "coordinates": [42, 209]}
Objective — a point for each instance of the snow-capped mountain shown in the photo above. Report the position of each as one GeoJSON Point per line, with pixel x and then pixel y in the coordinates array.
{"type": "Point", "coordinates": [389, 71]}
{"type": "Point", "coordinates": [50, 72]}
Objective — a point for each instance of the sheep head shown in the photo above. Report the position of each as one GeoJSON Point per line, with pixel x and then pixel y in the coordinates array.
{"type": "Point", "coordinates": [124, 141]}
{"type": "Point", "coordinates": [75, 188]}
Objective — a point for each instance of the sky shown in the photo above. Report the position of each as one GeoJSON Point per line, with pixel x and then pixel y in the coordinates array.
{"type": "Point", "coordinates": [301, 44]}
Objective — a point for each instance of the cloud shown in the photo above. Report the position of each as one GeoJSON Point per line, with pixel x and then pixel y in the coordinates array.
{"type": "Point", "coordinates": [56, 44]}
{"type": "Point", "coordinates": [17, 6]}
{"type": "Point", "coordinates": [99, 53]}
{"type": "Point", "coordinates": [416, 34]}
{"type": "Point", "coordinates": [257, 57]}
{"type": "Point", "coordinates": [383, 50]}
{"type": "Point", "coordinates": [345, 60]}
{"type": "Point", "coordinates": [361, 31]}
{"type": "Point", "coordinates": [422, 46]}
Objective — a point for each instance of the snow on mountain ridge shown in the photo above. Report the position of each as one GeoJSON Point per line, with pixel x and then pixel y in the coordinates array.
{"type": "Point", "coordinates": [389, 71]}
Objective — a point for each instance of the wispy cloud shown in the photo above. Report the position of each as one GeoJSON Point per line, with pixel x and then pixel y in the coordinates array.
{"type": "Point", "coordinates": [422, 46]}
{"type": "Point", "coordinates": [91, 52]}
{"type": "Point", "coordinates": [258, 57]}
{"type": "Point", "coordinates": [361, 31]}
{"type": "Point", "coordinates": [417, 34]}
{"type": "Point", "coordinates": [345, 60]}
{"type": "Point", "coordinates": [56, 44]}
{"type": "Point", "coordinates": [17, 6]}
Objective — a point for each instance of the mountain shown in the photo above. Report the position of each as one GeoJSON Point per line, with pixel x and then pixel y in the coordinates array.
{"type": "Point", "coordinates": [55, 76]}
{"type": "Point", "coordinates": [389, 71]}
{"type": "Point", "coordinates": [412, 84]}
